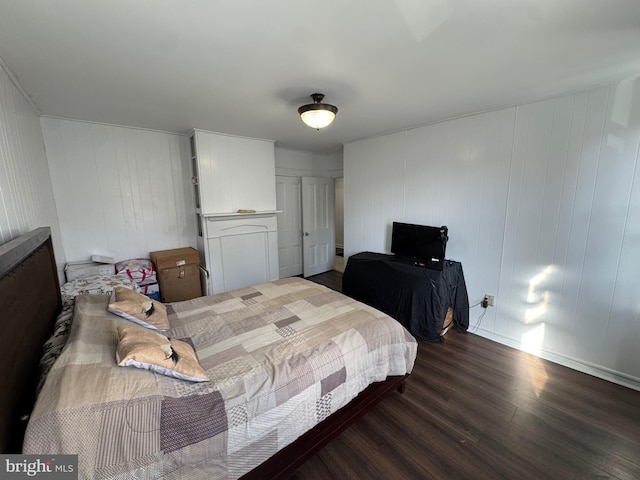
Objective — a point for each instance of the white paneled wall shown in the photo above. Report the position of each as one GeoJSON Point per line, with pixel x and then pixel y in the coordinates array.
{"type": "Point", "coordinates": [297, 163]}
{"type": "Point", "coordinates": [120, 191]}
{"type": "Point", "coordinates": [293, 163]}
{"type": "Point", "coordinates": [542, 202]}
{"type": "Point", "coordinates": [26, 196]}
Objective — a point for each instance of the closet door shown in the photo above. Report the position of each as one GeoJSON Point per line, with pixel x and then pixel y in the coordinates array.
{"type": "Point", "coordinates": [318, 224]}
{"type": "Point", "coordinates": [289, 204]}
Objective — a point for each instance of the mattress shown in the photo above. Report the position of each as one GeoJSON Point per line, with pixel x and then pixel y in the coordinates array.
{"type": "Point", "coordinates": [281, 357]}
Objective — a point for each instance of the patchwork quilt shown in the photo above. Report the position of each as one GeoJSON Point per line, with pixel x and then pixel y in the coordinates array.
{"type": "Point", "coordinates": [281, 357]}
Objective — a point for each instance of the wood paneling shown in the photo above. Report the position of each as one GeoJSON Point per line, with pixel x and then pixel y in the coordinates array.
{"type": "Point", "coordinates": [120, 191]}
{"type": "Point", "coordinates": [235, 173]}
{"type": "Point", "coordinates": [26, 195]}
{"type": "Point", "coordinates": [542, 205]}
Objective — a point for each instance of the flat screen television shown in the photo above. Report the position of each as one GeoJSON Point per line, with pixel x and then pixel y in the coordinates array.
{"type": "Point", "coordinates": [422, 244]}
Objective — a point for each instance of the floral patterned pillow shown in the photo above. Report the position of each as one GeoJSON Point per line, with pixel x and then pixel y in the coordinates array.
{"type": "Point", "coordinates": [97, 285]}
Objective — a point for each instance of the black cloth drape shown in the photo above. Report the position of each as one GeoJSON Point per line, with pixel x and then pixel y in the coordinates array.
{"type": "Point", "coordinates": [417, 297]}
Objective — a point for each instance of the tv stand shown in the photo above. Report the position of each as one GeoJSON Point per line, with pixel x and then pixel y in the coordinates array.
{"type": "Point", "coordinates": [415, 296]}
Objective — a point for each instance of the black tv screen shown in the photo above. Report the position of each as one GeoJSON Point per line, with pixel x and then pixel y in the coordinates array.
{"type": "Point", "coordinates": [424, 244]}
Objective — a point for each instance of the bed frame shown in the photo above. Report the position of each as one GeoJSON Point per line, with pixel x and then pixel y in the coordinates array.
{"type": "Point", "coordinates": [30, 301]}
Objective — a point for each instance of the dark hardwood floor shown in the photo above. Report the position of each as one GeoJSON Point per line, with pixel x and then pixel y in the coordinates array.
{"type": "Point", "coordinates": [474, 408]}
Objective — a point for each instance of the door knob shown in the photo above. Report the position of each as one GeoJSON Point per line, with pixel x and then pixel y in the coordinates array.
{"type": "Point", "coordinates": [306, 234]}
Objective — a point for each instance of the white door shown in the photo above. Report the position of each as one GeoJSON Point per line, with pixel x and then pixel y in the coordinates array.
{"type": "Point", "coordinates": [289, 202]}
{"type": "Point", "coordinates": [318, 225]}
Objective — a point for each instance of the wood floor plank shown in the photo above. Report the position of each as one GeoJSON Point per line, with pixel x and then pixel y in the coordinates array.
{"type": "Point", "coordinates": [578, 442]}
{"type": "Point", "coordinates": [475, 409]}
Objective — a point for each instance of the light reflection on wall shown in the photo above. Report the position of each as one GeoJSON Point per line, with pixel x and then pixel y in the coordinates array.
{"type": "Point", "coordinates": [532, 340]}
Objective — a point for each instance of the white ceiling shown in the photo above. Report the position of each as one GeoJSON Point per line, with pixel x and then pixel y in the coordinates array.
{"type": "Point", "coordinates": [245, 66]}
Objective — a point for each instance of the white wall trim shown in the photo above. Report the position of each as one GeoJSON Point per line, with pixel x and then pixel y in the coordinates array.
{"type": "Point", "coordinates": [233, 136]}
{"type": "Point", "coordinates": [530, 101]}
{"type": "Point", "coordinates": [12, 78]}
{"type": "Point", "coordinates": [565, 360]}
{"type": "Point", "coordinates": [292, 172]}
{"type": "Point", "coordinates": [66, 119]}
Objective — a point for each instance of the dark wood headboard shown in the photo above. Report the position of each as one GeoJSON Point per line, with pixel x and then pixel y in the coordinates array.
{"type": "Point", "coordinates": [29, 304]}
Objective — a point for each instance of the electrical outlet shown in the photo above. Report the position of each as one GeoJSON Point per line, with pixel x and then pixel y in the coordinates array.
{"type": "Point", "coordinates": [488, 300]}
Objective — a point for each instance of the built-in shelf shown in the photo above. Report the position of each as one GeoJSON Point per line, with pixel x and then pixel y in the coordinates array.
{"type": "Point", "coordinates": [236, 214]}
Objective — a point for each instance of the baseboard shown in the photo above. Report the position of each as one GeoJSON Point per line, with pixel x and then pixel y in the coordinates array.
{"type": "Point", "coordinates": [567, 361]}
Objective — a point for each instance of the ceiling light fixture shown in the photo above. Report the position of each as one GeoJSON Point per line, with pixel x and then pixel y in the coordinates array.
{"type": "Point", "coordinates": [317, 114]}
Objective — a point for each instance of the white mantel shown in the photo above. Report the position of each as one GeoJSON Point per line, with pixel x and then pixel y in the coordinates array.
{"type": "Point", "coordinates": [243, 215]}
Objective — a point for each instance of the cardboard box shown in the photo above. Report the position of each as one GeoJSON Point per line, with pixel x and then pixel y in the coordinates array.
{"type": "Point", "coordinates": [178, 273]}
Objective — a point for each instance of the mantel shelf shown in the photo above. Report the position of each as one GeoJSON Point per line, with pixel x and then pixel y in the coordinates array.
{"type": "Point", "coordinates": [261, 213]}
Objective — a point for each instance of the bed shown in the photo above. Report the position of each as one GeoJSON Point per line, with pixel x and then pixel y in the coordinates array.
{"type": "Point", "coordinates": [290, 365]}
